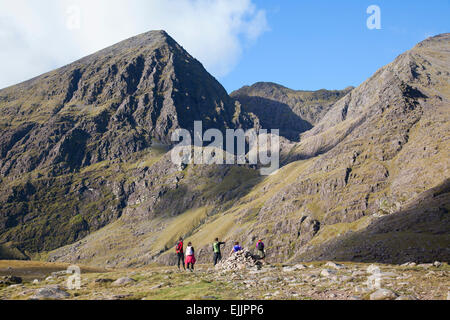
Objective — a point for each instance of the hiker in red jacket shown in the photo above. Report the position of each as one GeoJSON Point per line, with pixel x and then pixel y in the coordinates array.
{"type": "Point", "coordinates": [180, 254]}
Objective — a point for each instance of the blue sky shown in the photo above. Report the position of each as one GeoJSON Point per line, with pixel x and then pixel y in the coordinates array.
{"type": "Point", "coordinates": [326, 44]}
{"type": "Point", "coordinates": [302, 44]}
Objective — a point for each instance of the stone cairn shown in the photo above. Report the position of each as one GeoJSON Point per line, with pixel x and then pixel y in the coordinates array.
{"type": "Point", "coordinates": [239, 261]}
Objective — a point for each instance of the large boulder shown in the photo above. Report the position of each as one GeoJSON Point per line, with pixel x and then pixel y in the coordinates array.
{"type": "Point", "coordinates": [123, 282]}
{"type": "Point", "coordinates": [50, 293]}
{"type": "Point", "coordinates": [10, 280]}
{"type": "Point", "coordinates": [383, 294]}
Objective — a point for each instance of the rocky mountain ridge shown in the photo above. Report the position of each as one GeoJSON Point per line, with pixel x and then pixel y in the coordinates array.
{"type": "Point", "coordinates": [109, 105]}
{"type": "Point", "coordinates": [294, 112]}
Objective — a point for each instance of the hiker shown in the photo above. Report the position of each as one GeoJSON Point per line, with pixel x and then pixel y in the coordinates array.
{"type": "Point", "coordinates": [217, 252]}
{"type": "Point", "coordinates": [190, 257]}
{"type": "Point", "coordinates": [260, 248]}
{"type": "Point", "coordinates": [236, 248]}
{"type": "Point", "coordinates": [180, 253]}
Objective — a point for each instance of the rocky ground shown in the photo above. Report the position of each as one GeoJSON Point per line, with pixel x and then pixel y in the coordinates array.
{"type": "Point", "coordinates": [236, 279]}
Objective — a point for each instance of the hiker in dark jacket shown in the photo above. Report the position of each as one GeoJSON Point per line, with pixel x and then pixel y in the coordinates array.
{"type": "Point", "coordinates": [260, 248]}
{"type": "Point", "coordinates": [217, 252]}
{"type": "Point", "coordinates": [180, 253]}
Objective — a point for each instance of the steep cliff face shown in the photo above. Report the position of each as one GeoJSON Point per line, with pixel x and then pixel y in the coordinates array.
{"type": "Point", "coordinates": [366, 168]}
{"type": "Point", "coordinates": [292, 112]}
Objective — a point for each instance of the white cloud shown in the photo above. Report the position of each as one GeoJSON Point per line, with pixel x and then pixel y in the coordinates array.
{"type": "Point", "coordinates": [35, 36]}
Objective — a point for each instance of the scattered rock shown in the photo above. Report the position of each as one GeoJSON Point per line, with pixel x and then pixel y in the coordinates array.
{"type": "Point", "coordinates": [437, 264]}
{"type": "Point", "coordinates": [50, 293]}
{"type": "Point", "coordinates": [11, 280]}
{"type": "Point", "coordinates": [159, 286]}
{"type": "Point", "coordinates": [59, 274]}
{"type": "Point", "coordinates": [372, 269]}
{"type": "Point", "coordinates": [430, 274]}
{"type": "Point", "coordinates": [409, 264]}
{"type": "Point", "coordinates": [294, 268]}
{"type": "Point", "coordinates": [103, 281]}
{"type": "Point", "coordinates": [268, 279]}
{"type": "Point", "coordinates": [383, 294]}
{"type": "Point", "coordinates": [289, 269]}
{"type": "Point", "coordinates": [346, 278]}
{"type": "Point", "coordinates": [328, 272]}
{"type": "Point", "coordinates": [389, 275]}
{"type": "Point", "coordinates": [362, 290]}
{"type": "Point", "coordinates": [358, 273]}
{"type": "Point", "coordinates": [123, 282]}
{"type": "Point", "coordinates": [35, 281]}
{"type": "Point", "coordinates": [334, 265]}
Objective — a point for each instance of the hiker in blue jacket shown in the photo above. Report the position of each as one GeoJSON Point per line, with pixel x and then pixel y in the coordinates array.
{"type": "Point", "coordinates": [236, 248]}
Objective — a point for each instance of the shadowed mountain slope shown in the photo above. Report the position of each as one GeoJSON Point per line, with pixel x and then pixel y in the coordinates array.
{"type": "Point", "coordinates": [293, 112]}
{"type": "Point", "coordinates": [419, 232]}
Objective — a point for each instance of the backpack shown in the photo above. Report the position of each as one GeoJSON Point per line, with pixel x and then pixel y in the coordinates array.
{"type": "Point", "coordinates": [260, 246]}
{"type": "Point", "coordinates": [179, 247]}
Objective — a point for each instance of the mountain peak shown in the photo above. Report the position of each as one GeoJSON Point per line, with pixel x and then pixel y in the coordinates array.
{"type": "Point", "coordinates": [153, 37]}
{"type": "Point", "coordinates": [142, 88]}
